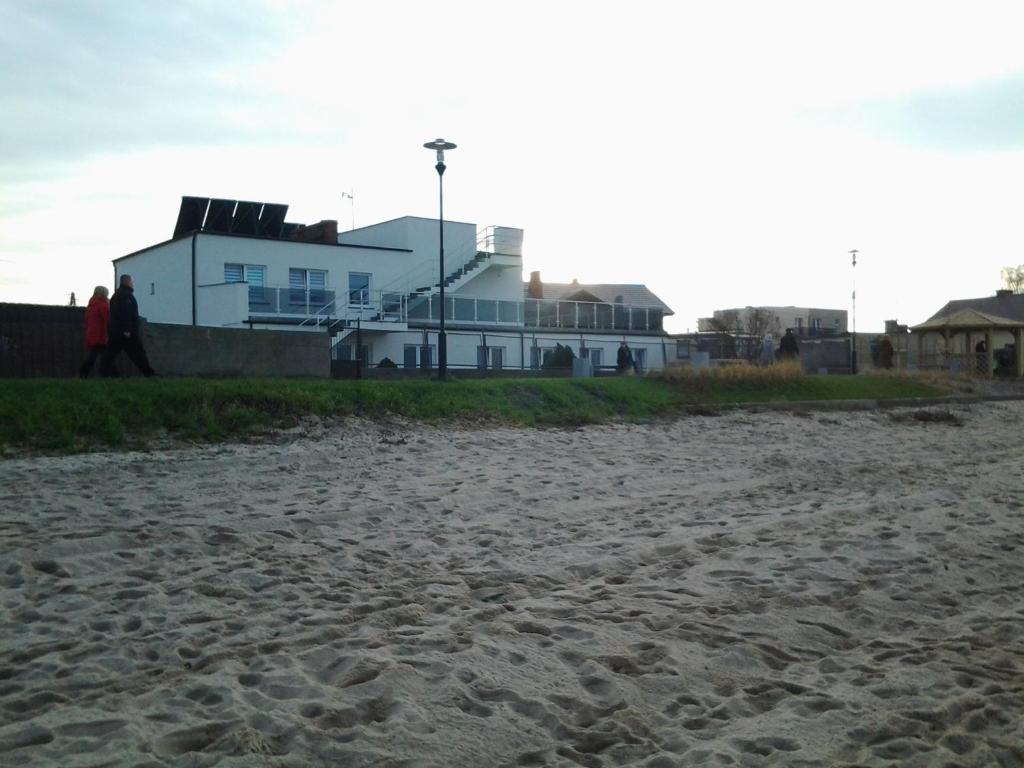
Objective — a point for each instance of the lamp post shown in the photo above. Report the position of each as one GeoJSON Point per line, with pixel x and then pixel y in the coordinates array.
{"type": "Point", "coordinates": [442, 345]}
{"type": "Point", "coordinates": [853, 342]}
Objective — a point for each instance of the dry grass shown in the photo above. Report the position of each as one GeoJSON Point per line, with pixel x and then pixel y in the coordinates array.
{"type": "Point", "coordinates": [739, 373]}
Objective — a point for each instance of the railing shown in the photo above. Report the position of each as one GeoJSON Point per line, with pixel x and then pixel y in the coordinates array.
{"type": "Point", "coordinates": [288, 301]}
{"type": "Point", "coordinates": [540, 313]}
{"type": "Point", "coordinates": [425, 275]}
{"type": "Point", "coordinates": [972, 363]}
{"type": "Point", "coordinates": [318, 306]}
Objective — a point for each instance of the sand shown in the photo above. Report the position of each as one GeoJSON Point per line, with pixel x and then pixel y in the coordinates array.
{"type": "Point", "coordinates": [749, 589]}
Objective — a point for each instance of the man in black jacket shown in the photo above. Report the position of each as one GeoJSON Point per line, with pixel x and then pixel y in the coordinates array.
{"type": "Point", "coordinates": [124, 330]}
{"type": "Point", "coordinates": [788, 348]}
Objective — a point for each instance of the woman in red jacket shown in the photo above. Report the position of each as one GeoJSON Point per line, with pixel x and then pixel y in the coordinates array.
{"type": "Point", "coordinates": [97, 318]}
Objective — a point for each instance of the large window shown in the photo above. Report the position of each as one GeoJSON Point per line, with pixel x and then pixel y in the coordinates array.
{"type": "Point", "coordinates": [418, 356]}
{"type": "Point", "coordinates": [490, 357]}
{"type": "Point", "coordinates": [253, 274]}
{"type": "Point", "coordinates": [312, 280]}
{"type": "Point", "coordinates": [358, 289]}
{"type": "Point", "coordinates": [345, 352]}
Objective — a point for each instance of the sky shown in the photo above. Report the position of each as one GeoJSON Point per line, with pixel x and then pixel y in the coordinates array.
{"type": "Point", "coordinates": [724, 153]}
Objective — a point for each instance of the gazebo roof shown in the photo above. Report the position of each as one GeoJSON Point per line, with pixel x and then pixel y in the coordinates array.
{"type": "Point", "coordinates": [967, 319]}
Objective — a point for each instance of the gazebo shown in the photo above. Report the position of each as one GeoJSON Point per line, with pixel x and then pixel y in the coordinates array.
{"type": "Point", "coordinates": [958, 330]}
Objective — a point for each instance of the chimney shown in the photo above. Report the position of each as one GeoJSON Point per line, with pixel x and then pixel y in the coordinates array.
{"type": "Point", "coordinates": [1002, 293]}
{"type": "Point", "coordinates": [324, 232]}
{"type": "Point", "coordinates": [535, 290]}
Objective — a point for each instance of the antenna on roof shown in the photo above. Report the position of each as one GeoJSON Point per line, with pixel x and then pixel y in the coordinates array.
{"type": "Point", "coordinates": [352, 198]}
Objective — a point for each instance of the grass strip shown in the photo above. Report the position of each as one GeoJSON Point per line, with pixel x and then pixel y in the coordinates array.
{"type": "Point", "coordinates": [70, 415]}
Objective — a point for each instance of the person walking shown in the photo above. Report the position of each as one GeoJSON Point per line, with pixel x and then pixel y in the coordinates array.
{"type": "Point", "coordinates": [97, 318]}
{"type": "Point", "coordinates": [124, 331]}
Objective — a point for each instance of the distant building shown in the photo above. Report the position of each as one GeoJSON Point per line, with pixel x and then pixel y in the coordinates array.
{"type": "Point", "coordinates": [805, 321]}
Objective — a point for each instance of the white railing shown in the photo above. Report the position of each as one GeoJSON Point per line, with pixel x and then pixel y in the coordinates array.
{"type": "Point", "coordinates": [318, 307]}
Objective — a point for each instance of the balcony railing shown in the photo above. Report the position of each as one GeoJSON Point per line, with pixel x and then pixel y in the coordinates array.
{"type": "Point", "coordinates": [302, 302]}
{"type": "Point", "coordinates": [389, 306]}
{"type": "Point", "coordinates": [539, 313]}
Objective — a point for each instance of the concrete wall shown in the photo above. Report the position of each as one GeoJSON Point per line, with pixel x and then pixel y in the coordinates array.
{"type": "Point", "coordinates": [178, 350]}
{"type": "Point", "coordinates": [163, 281]}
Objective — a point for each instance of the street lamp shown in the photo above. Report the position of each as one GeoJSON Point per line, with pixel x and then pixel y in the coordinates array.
{"type": "Point", "coordinates": [442, 345]}
{"type": "Point", "coordinates": [853, 343]}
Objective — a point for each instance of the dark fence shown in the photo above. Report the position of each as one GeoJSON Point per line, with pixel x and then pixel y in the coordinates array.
{"type": "Point", "coordinates": [45, 341]}
{"type": "Point", "coordinates": [38, 340]}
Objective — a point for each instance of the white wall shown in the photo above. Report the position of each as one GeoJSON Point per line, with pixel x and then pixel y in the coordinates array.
{"type": "Point", "coordinates": [494, 282]}
{"type": "Point", "coordinates": [278, 256]}
{"type": "Point", "coordinates": [226, 304]}
{"type": "Point", "coordinates": [462, 346]}
{"type": "Point", "coordinates": [163, 281]}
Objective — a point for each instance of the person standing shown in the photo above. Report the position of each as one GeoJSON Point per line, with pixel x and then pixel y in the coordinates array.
{"type": "Point", "coordinates": [124, 331]}
{"type": "Point", "coordinates": [97, 318]}
{"type": "Point", "coordinates": [788, 347]}
{"type": "Point", "coordinates": [885, 353]}
{"type": "Point", "coordinates": [624, 358]}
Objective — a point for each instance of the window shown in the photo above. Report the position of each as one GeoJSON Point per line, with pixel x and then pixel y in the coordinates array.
{"type": "Point", "coordinates": [682, 349]}
{"type": "Point", "coordinates": [418, 356]}
{"type": "Point", "coordinates": [799, 326]}
{"type": "Point", "coordinates": [595, 357]}
{"type": "Point", "coordinates": [490, 357]}
{"type": "Point", "coordinates": [344, 352]}
{"type": "Point", "coordinates": [312, 280]}
{"type": "Point", "coordinates": [640, 359]}
{"type": "Point", "coordinates": [358, 289]}
{"type": "Point", "coordinates": [254, 275]}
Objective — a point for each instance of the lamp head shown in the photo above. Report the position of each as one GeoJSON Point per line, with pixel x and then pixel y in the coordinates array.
{"type": "Point", "coordinates": [440, 145]}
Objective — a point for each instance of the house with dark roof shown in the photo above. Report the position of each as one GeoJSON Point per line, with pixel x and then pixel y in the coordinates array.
{"type": "Point", "coordinates": [983, 335]}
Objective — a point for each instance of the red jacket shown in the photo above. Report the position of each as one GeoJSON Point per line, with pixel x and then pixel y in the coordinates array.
{"type": "Point", "coordinates": [97, 318]}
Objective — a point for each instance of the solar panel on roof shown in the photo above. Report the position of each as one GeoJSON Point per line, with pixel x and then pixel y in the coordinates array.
{"type": "Point", "coordinates": [218, 217]}
{"type": "Point", "coordinates": [272, 220]}
{"type": "Point", "coordinates": [191, 214]}
{"type": "Point", "coordinates": [246, 216]}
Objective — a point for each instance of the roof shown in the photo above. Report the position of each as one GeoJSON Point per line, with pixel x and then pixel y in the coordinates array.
{"type": "Point", "coordinates": [198, 233]}
{"type": "Point", "coordinates": [968, 318]}
{"type": "Point", "coordinates": [631, 294]}
{"type": "Point", "coordinates": [985, 312]}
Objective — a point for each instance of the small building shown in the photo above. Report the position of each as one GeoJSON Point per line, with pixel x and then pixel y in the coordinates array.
{"type": "Point", "coordinates": [983, 336]}
{"type": "Point", "coordinates": [376, 290]}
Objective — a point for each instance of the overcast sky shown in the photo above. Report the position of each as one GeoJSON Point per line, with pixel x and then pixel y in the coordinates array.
{"type": "Point", "coordinates": [722, 153]}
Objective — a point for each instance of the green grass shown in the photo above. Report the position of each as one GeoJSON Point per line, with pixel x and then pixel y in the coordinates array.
{"type": "Point", "coordinates": [71, 415]}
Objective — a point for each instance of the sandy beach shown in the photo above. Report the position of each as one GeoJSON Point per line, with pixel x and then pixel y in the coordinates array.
{"type": "Point", "coordinates": [752, 589]}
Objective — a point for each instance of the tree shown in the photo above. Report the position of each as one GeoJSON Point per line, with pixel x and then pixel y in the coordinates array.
{"type": "Point", "coordinates": [743, 330]}
{"type": "Point", "coordinates": [1013, 278]}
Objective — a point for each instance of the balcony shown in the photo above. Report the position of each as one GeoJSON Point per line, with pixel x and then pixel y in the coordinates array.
{"type": "Point", "coordinates": [320, 305]}
{"type": "Point", "coordinates": [293, 302]}
{"type": "Point", "coordinates": [539, 313]}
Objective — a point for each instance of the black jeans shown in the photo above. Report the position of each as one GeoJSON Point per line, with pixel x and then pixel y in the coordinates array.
{"type": "Point", "coordinates": [132, 346]}
{"type": "Point", "coordinates": [85, 370]}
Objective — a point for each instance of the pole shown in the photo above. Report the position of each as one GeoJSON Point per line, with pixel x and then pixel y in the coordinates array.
{"type": "Point", "coordinates": [442, 341]}
{"type": "Point", "coordinates": [853, 342]}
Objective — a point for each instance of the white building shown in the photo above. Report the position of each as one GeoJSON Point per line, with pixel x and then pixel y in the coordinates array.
{"type": "Point", "coordinates": [238, 264]}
